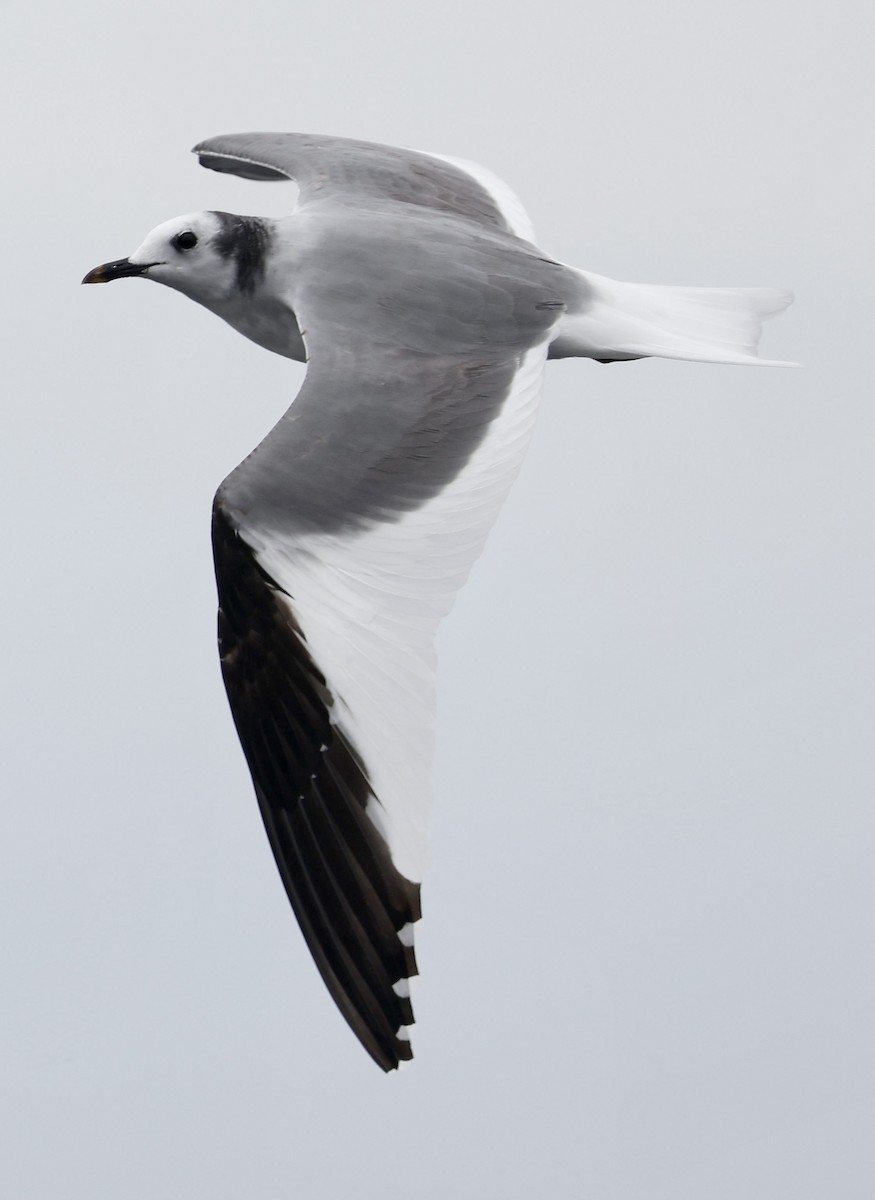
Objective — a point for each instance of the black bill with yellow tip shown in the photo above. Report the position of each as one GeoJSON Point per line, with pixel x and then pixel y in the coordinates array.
{"type": "Point", "coordinates": [119, 269]}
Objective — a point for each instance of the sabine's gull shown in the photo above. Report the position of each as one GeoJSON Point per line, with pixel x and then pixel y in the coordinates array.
{"type": "Point", "coordinates": [412, 287]}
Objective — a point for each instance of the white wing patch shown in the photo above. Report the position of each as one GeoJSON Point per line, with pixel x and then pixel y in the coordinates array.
{"type": "Point", "coordinates": [369, 603]}
{"type": "Point", "coordinates": [506, 201]}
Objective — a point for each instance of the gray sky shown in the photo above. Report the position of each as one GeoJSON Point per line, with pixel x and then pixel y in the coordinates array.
{"type": "Point", "coordinates": [646, 958]}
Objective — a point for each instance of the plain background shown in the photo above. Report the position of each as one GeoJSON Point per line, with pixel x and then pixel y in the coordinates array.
{"type": "Point", "coordinates": [646, 958]}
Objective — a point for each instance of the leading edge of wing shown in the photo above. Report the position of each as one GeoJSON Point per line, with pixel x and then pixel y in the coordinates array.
{"type": "Point", "coordinates": [355, 909]}
{"type": "Point", "coordinates": [333, 167]}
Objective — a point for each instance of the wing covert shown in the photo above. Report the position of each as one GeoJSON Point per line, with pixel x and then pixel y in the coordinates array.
{"type": "Point", "coordinates": [334, 168]}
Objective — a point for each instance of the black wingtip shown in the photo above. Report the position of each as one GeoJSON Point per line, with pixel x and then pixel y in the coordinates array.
{"type": "Point", "coordinates": [354, 908]}
{"type": "Point", "coordinates": [402, 1053]}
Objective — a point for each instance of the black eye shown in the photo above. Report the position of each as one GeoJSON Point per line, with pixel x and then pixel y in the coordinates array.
{"type": "Point", "coordinates": [185, 240]}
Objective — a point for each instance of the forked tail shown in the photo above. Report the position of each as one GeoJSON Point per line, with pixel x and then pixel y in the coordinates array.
{"type": "Point", "coordinates": [617, 321]}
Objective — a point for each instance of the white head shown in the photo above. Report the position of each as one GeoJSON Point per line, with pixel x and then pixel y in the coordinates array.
{"type": "Point", "coordinates": [213, 257]}
{"type": "Point", "coordinates": [220, 260]}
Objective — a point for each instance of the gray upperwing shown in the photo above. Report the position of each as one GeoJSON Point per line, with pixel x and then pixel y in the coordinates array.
{"type": "Point", "coordinates": [357, 448]}
{"type": "Point", "coordinates": [414, 335]}
{"type": "Point", "coordinates": [333, 167]}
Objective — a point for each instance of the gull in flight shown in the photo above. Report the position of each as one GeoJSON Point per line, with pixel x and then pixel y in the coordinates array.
{"type": "Point", "coordinates": [412, 287]}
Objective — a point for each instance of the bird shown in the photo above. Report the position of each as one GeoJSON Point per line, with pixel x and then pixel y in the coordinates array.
{"type": "Point", "coordinates": [412, 287]}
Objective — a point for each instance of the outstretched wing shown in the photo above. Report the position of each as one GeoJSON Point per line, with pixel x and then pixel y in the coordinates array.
{"type": "Point", "coordinates": [328, 168]}
{"type": "Point", "coordinates": [336, 558]}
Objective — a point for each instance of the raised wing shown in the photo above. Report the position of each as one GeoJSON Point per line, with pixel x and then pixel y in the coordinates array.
{"type": "Point", "coordinates": [328, 168]}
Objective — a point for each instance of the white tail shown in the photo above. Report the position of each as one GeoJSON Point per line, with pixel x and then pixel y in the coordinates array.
{"type": "Point", "coordinates": [638, 320]}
